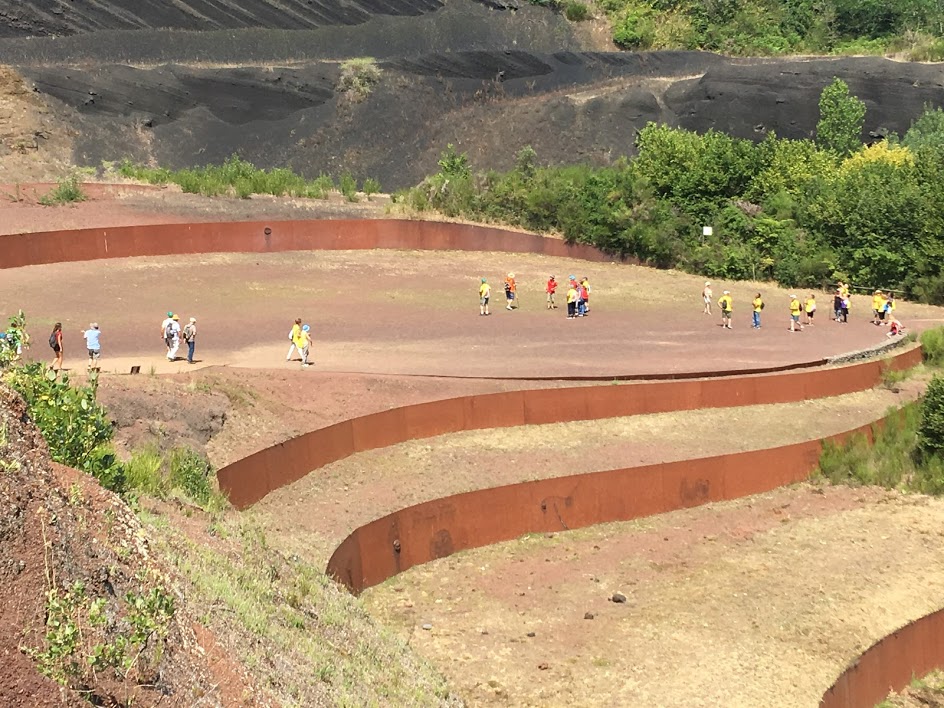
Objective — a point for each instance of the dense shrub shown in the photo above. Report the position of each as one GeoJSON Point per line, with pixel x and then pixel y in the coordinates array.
{"type": "Point", "coordinates": [931, 431]}
{"type": "Point", "coordinates": [793, 211]}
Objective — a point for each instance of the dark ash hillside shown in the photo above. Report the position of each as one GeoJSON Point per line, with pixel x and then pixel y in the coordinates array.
{"type": "Point", "coordinates": [569, 106]}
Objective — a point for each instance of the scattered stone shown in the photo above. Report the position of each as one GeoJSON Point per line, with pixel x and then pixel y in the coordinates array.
{"type": "Point", "coordinates": [588, 615]}
{"type": "Point", "coordinates": [544, 666]}
{"type": "Point", "coordinates": [618, 597]}
{"type": "Point", "coordinates": [530, 634]}
{"type": "Point", "coordinates": [427, 626]}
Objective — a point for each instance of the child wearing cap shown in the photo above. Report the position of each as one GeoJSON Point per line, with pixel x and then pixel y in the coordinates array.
{"type": "Point", "coordinates": [551, 289]}
{"type": "Point", "coordinates": [485, 291]}
{"type": "Point", "coordinates": [585, 293]}
{"type": "Point", "coordinates": [304, 344]}
{"type": "Point", "coordinates": [511, 290]}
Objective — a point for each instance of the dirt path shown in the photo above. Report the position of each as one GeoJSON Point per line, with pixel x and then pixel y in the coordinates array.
{"type": "Point", "coordinates": [403, 312]}
{"type": "Point", "coordinates": [312, 516]}
{"type": "Point", "coordinates": [761, 601]}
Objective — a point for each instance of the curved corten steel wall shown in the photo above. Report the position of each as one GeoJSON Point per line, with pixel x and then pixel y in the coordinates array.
{"type": "Point", "coordinates": [250, 479]}
{"type": "Point", "coordinates": [418, 534]}
{"type": "Point", "coordinates": [888, 665]}
{"type": "Point", "coordinates": [274, 236]}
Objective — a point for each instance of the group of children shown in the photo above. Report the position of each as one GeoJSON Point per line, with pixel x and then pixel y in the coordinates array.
{"type": "Point", "coordinates": [882, 307]}
{"type": "Point", "coordinates": [300, 338]}
{"type": "Point", "coordinates": [578, 295]}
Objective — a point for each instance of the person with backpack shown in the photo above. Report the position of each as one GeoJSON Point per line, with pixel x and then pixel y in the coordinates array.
{"type": "Point", "coordinates": [758, 304]}
{"type": "Point", "coordinates": [795, 308]}
{"type": "Point", "coordinates": [292, 336]}
{"type": "Point", "coordinates": [572, 300]}
{"type": "Point", "coordinates": [190, 337]}
{"type": "Point", "coordinates": [726, 303]}
{"type": "Point", "coordinates": [585, 292]}
{"type": "Point", "coordinates": [172, 337]}
{"type": "Point", "coordinates": [168, 322]}
{"type": "Point", "coordinates": [55, 343]}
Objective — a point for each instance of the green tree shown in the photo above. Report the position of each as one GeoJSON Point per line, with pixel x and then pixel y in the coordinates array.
{"type": "Point", "coordinates": [841, 117]}
{"type": "Point", "coordinates": [931, 430]}
{"type": "Point", "coordinates": [926, 131]}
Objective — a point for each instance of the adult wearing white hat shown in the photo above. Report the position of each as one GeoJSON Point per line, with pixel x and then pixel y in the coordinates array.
{"type": "Point", "coordinates": [190, 337]}
{"type": "Point", "coordinates": [706, 295]}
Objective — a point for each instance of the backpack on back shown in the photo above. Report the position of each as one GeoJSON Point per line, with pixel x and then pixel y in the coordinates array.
{"type": "Point", "coordinates": [53, 341]}
{"type": "Point", "coordinates": [169, 331]}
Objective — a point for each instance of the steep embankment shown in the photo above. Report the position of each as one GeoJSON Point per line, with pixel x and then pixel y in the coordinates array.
{"type": "Point", "coordinates": [193, 82]}
{"type": "Point", "coordinates": [569, 106]}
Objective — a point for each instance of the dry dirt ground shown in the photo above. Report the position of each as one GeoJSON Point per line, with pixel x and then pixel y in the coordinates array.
{"type": "Point", "coordinates": [402, 312]}
{"type": "Point", "coordinates": [757, 602]}
{"type": "Point", "coordinates": [312, 516]}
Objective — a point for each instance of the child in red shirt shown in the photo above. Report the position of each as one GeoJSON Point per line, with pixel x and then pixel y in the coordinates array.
{"type": "Point", "coordinates": [551, 289]}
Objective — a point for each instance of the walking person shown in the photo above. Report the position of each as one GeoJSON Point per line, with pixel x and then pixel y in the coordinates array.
{"type": "Point", "coordinates": [485, 292]}
{"type": "Point", "coordinates": [844, 308]}
{"type": "Point", "coordinates": [167, 331]}
{"type": "Point", "coordinates": [810, 308]}
{"type": "Point", "coordinates": [190, 337]}
{"type": "Point", "coordinates": [304, 345]}
{"type": "Point", "coordinates": [93, 343]}
{"type": "Point", "coordinates": [758, 305]}
{"type": "Point", "coordinates": [878, 307]}
{"type": "Point", "coordinates": [511, 292]}
{"type": "Point", "coordinates": [55, 342]}
{"type": "Point", "coordinates": [174, 342]}
{"type": "Point", "coordinates": [837, 306]}
{"type": "Point", "coordinates": [795, 308]}
{"type": "Point", "coordinates": [726, 303]}
{"type": "Point", "coordinates": [706, 295]}
{"type": "Point", "coordinates": [585, 291]}
{"type": "Point", "coordinates": [551, 289]}
{"type": "Point", "coordinates": [292, 336]}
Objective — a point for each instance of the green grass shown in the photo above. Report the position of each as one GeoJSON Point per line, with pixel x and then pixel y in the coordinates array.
{"type": "Point", "coordinates": [303, 637]}
{"type": "Point", "coordinates": [67, 191]}
{"type": "Point", "coordinates": [235, 177]}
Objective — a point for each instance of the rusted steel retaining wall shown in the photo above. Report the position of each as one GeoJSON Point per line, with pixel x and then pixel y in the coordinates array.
{"type": "Point", "coordinates": [889, 665]}
{"type": "Point", "coordinates": [275, 236]}
{"type": "Point", "coordinates": [438, 528]}
{"type": "Point", "coordinates": [248, 480]}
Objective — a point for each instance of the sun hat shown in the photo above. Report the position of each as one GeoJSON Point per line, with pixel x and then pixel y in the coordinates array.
{"type": "Point", "coordinates": [175, 317]}
{"type": "Point", "coordinates": [511, 275]}
{"type": "Point", "coordinates": [707, 283]}
{"type": "Point", "coordinates": [193, 319]}
{"type": "Point", "coordinates": [305, 328]}
{"type": "Point", "coordinates": [726, 292]}
{"type": "Point", "coordinates": [94, 325]}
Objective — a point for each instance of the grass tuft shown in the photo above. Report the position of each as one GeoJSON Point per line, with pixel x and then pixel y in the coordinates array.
{"type": "Point", "coordinates": [67, 191]}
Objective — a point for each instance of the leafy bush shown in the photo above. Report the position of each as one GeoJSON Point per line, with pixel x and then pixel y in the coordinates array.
{"type": "Point", "coordinates": [348, 186]}
{"type": "Point", "coordinates": [576, 11]}
{"type": "Point", "coordinates": [358, 77]}
{"type": "Point", "coordinates": [67, 191]}
{"type": "Point", "coordinates": [932, 346]}
{"type": "Point", "coordinates": [71, 420]}
{"type": "Point", "coordinates": [370, 186]}
{"type": "Point", "coordinates": [931, 430]}
{"type": "Point", "coordinates": [237, 177]}
{"type": "Point", "coordinates": [190, 472]}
